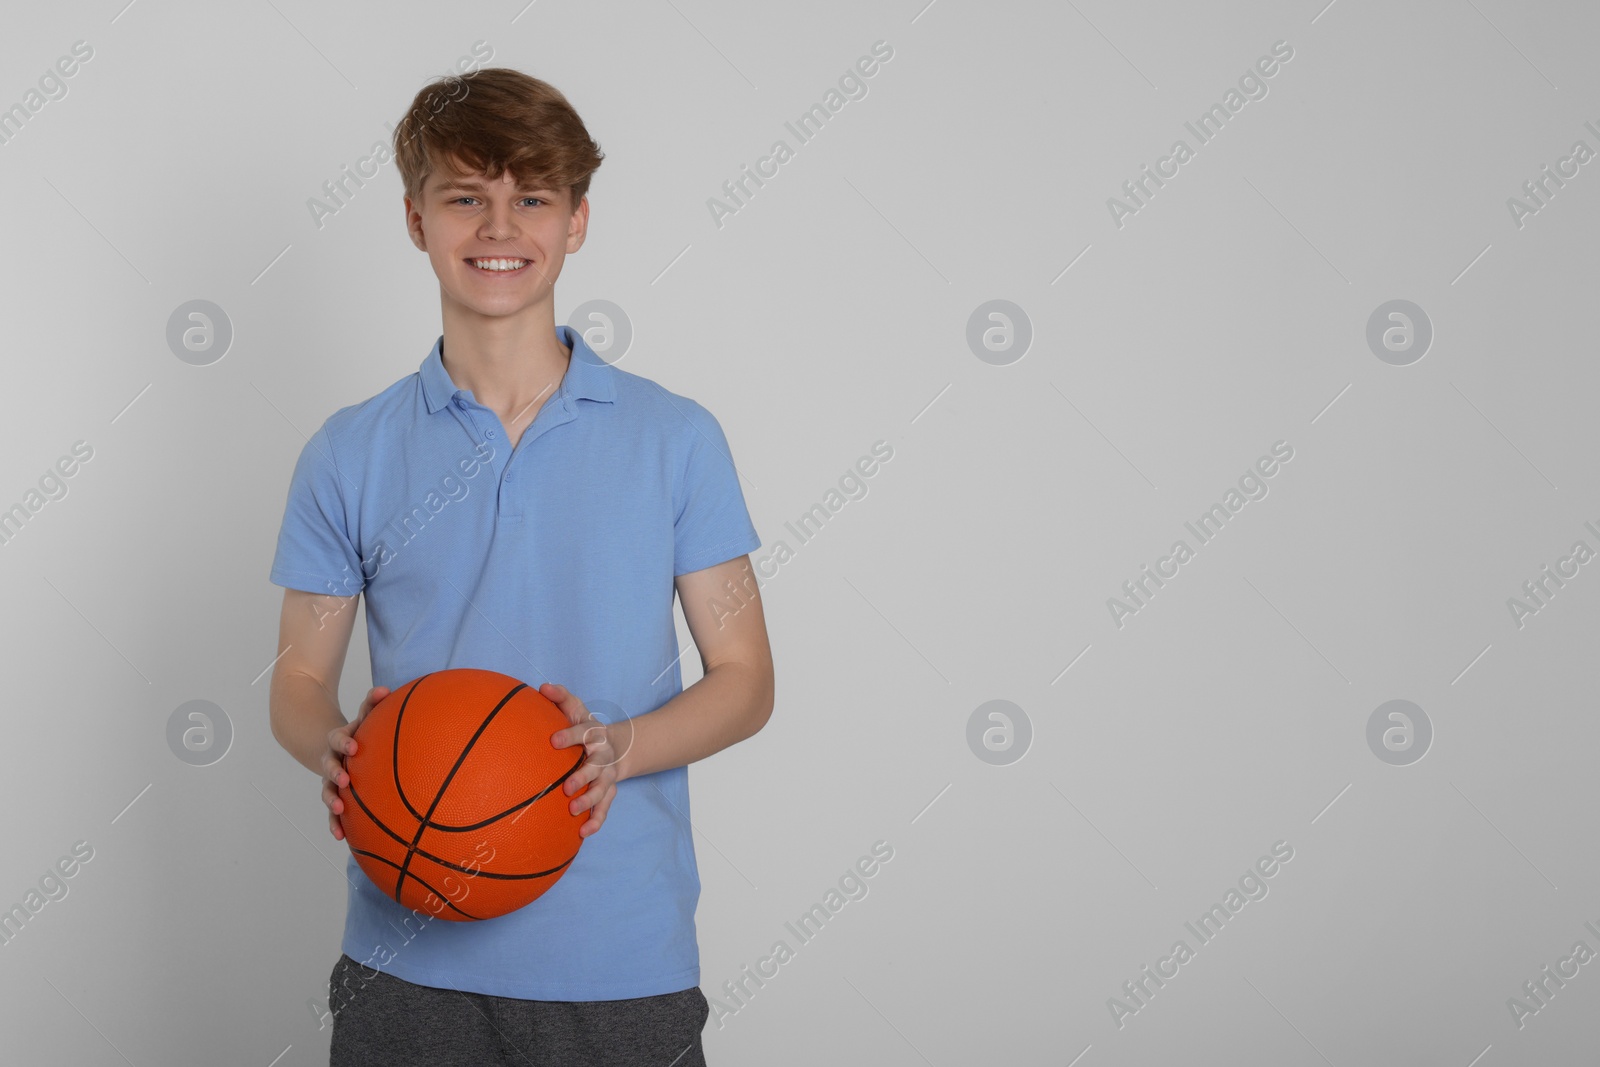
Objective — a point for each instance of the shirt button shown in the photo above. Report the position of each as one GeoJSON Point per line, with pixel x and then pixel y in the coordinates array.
{"type": "Point", "coordinates": [460, 403]}
{"type": "Point", "coordinates": [491, 433]}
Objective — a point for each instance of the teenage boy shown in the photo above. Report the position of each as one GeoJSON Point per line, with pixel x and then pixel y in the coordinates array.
{"type": "Point", "coordinates": [520, 505]}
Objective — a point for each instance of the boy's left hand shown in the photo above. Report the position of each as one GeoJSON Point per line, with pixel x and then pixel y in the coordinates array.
{"type": "Point", "coordinates": [599, 771]}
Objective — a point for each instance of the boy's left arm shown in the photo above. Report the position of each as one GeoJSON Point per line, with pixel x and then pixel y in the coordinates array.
{"type": "Point", "coordinates": [731, 702]}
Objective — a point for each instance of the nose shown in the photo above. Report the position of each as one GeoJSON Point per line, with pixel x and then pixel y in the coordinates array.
{"type": "Point", "coordinates": [498, 222]}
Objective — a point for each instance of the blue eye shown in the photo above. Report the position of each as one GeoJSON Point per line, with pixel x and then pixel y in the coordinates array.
{"type": "Point", "coordinates": [459, 199]}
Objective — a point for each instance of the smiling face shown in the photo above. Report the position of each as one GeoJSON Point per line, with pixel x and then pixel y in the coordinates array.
{"type": "Point", "coordinates": [496, 245]}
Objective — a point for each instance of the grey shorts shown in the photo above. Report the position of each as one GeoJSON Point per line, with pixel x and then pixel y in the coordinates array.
{"type": "Point", "coordinates": [383, 1021]}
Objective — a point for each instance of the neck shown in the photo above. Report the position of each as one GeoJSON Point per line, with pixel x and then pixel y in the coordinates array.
{"type": "Point", "coordinates": [509, 363]}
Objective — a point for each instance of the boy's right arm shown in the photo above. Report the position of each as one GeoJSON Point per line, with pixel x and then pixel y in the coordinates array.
{"type": "Point", "coordinates": [313, 636]}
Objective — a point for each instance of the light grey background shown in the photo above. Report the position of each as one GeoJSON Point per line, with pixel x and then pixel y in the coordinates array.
{"type": "Point", "coordinates": [831, 312]}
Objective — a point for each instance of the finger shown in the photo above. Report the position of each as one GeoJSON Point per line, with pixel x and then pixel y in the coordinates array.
{"type": "Point", "coordinates": [580, 778]}
{"type": "Point", "coordinates": [374, 698]}
{"type": "Point", "coordinates": [566, 700]}
{"type": "Point", "coordinates": [576, 734]}
{"type": "Point", "coordinates": [602, 806]}
{"type": "Point", "coordinates": [597, 798]}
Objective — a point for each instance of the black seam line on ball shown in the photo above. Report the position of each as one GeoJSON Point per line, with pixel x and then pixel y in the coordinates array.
{"type": "Point", "coordinates": [445, 785]}
{"type": "Point", "coordinates": [425, 854]}
{"type": "Point", "coordinates": [394, 759]}
{"type": "Point", "coordinates": [480, 825]}
{"type": "Point", "coordinates": [419, 881]}
{"type": "Point", "coordinates": [394, 762]}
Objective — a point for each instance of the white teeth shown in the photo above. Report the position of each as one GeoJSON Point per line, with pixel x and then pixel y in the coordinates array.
{"type": "Point", "coordinates": [499, 264]}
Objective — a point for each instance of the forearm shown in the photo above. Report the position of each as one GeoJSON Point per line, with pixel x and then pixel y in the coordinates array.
{"type": "Point", "coordinates": [303, 715]}
{"type": "Point", "coordinates": [730, 703]}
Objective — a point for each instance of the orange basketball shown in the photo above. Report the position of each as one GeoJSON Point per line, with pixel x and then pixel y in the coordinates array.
{"type": "Point", "coordinates": [455, 803]}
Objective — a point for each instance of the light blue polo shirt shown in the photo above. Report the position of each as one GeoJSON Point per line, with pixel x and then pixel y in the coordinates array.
{"type": "Point", "coordinates": [553, 562]}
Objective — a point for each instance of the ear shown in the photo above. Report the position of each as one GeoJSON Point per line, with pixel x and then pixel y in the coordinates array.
{"type": "Point", "coordinates": [578, 225]}
{"type": "Point", "coordinates": [414, 225]}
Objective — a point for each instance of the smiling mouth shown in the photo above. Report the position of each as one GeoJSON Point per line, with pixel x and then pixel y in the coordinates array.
{"type": "Point", "coordinates": [506, 265]}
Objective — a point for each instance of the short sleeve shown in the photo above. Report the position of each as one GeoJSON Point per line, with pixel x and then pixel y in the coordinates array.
{"type": "Point", "coordinates": [712, 524]}
{"type": "Point", "coordinates": [315, 550]}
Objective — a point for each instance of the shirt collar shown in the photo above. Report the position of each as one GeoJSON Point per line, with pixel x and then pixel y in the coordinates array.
{"type": "Point", "coordinates": [588, 376]}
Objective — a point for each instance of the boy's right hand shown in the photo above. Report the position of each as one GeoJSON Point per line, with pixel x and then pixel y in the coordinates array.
{"type": "Point", "coordinates": [341, 743]}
